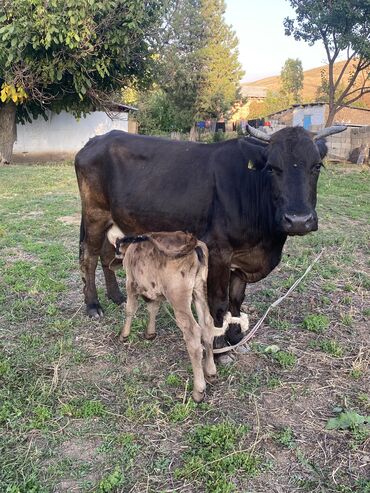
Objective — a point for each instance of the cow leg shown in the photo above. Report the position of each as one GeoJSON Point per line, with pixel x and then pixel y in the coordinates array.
{"type": "Point", "coordinates": [153, 308]}
{"type": "Point", "coordinates": [236, 296]}
{"type": "Point", "coordinates": [206, 324]}
{"type": "Point", "coordinates": [218, 291]}
{"type": "Point", "coordinates": [131, 308]}
{"type": "Point", "coordinates": [106, 257]}
{"type": "Point", "coordinates": [92, 233]}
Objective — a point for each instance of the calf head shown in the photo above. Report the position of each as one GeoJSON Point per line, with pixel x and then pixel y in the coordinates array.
{"type": "Point", "coordinates": [293, 162]}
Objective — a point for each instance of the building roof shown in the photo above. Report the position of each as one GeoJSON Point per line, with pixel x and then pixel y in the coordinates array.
{"type": "Point", "coordinates": [253, 91]}
{"type": "Point", "coordinates": [318, 103]}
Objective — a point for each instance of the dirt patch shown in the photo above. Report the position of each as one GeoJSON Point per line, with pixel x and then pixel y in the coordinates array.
{"type": "Point", "coordinates": [74, 219]}
{"type": "Point", "coordinates": [77, 449]}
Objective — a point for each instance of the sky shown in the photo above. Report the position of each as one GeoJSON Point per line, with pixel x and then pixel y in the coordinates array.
{"type": "Point", "coordinates": [263, 45]}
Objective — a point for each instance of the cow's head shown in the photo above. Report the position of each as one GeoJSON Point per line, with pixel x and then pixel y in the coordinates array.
{"type": "Point", "coordinates": [293, 161]}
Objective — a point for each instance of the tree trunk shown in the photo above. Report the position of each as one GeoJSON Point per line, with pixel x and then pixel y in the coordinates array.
{"type": "Point", "coordinates": [8, 132]}
{"type": "Point", "coordinates": [331, 115]}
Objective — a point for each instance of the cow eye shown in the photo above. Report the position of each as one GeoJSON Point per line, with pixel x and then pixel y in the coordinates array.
{"type": "Point", "coordinates": [318, 166]}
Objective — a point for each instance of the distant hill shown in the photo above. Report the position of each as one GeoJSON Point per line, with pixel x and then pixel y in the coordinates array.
{"type": "Point", "coordinates": [312, 80]}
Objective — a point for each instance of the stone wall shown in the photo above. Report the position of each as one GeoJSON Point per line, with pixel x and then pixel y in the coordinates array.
{"type": "Point", "coordinates": [342, 146]}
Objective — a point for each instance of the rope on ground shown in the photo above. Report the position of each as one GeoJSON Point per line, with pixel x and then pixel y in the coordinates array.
{"type": "Point", "coordinates": [250, 334]}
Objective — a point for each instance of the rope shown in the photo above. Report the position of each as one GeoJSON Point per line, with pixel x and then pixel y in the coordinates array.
{"type": "Point", "coordinates": [273, 305]}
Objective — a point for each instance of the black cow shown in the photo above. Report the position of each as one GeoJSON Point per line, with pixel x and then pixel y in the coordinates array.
{"type": "Point", "coordinates": [241, 197]}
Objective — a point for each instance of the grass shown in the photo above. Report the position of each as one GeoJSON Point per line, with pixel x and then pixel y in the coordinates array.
{"type": "Point", "coordinates": [79, 412]}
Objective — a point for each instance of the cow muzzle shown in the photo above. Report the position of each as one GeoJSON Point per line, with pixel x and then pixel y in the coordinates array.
{"type": "Point", "coordinates": [299, 224]}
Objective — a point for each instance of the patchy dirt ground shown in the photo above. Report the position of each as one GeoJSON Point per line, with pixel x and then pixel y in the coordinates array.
{"type": "Point", "coordinates": [81, 413]}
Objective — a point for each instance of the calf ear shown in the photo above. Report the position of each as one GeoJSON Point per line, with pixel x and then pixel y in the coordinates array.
{"type": "Point", "coordinates": [322, 147]}
{"type": "Point", "coordinates": [255, 155]}
{"type": "Point", "coordinates": [176, 244]}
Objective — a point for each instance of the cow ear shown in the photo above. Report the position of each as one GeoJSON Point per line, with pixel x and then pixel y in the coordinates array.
{"type": "Point", "coordinates": [322, 147]}
{"type": "Point", "coordinates": [254, 155]}
{"type": "Point", "coordinates": [174, 244]}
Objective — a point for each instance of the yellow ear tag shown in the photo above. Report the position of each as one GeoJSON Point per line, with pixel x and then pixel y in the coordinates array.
{"type": "Point", "coordinates": [251, 165]}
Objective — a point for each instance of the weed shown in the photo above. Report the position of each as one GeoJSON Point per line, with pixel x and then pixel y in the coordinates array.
{"type": "Point", "coordinates": [285, 359]}
{"type": "Point", "coordinates": [331, 347]}
{"type": "Point", "coordinates": [79, 408]}
{"type": "Point", "coordinates": [347, 319]}
{"type": "Point", "coordinates": [214, 458]}
{"type": "Point", "coordinates": [285, 437]}
{"type": "Point", "coordinates": [173, 380]}
{"type": "Point", "coordinates": [180, 411]}
{"type": "Point", "coordinates": [110, 483]}
{"type": "Point", "coordinates": [316, 323]}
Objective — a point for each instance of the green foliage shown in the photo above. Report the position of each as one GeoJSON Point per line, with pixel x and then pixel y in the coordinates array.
{"type": "Point", "coordinates": [180, 411]}
{"type": "Point", "coordinates": [292, 79]}
{"type": "Point", "coordinates": [110, 483]}
{"type": "Point", "coordinates": [74, 54]}
{"type": "Point", "coordinates": [198, 71]}
{"type": "Point", "coordinates": [331, 347]}
{"type": "Point", "coordinates": [285, 359]}
{"type": "Point", "coordinates": [275, 101]}
{"type": "Point", "coordinates": [79, 408]}
{"type": "Point", "coordinates": [173, 380]}
{"type": "Point", "coordinates": [285, 437]}
{"type": "Point", "coordinates": [214, 458]}
{"type": "Point", "coordinates": [316, 323]}
{"type": "Point", "coordinates": [348, 420]}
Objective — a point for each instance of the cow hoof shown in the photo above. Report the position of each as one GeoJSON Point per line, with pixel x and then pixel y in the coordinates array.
{"type": "Point", "coordinates": [94, 310]}
{"type": "Point", "coordinates": [117, 298]}
{"type": "Point", "coordinates": [225, 359]}
{"type": "Point", "coordinates": [211, 379]}
{"type": "Point", "coordinates": [123, 338]}
{"type": "Point", "coordinates": [198, 396]}
{"type": "Point", "coordinates": [150, 337]}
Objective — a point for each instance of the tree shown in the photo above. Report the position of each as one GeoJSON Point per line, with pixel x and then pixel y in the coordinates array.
{"type": "Point", "coordinates": [221, 70]}
{"type": "Point", "coordinates": [198, 71]}
{"type": "Point", "coordinates": [69, 54]}
{"type": "Point", "coordinates": [343, 26]}
{"type": "Point", "coordinates": [291, 76]}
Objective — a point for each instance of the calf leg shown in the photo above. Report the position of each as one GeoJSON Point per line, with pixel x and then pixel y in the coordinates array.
{"type": "Point", "coordinates": [153, 307]}
{"type": "Point", "coordinates": [192, 335]}
{"type": "Point", "coordinates": [131, 308]}
{"type": "Point", "coordinates": [206, 325]}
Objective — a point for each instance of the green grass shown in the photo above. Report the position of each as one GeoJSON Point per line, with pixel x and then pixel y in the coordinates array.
{"type": "Point", "coordinates": [80, 412]}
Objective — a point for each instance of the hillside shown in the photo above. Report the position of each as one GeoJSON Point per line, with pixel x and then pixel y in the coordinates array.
{"type": "Point", "coordinates": [312, 80]}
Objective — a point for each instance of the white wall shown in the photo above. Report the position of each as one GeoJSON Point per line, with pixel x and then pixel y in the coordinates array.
{"type": "Point", "coordinates": [62, 135]}
{"type": "Point", "coordinates": [317, 115]}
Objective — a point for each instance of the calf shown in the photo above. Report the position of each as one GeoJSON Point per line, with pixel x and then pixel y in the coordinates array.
{"type": "Point", "coordinates": [171, 266]}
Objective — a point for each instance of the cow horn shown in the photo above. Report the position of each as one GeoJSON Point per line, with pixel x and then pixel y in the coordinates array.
{"type": "Point", "coordinates": [325, 132]}
{"type": "Point", "coordinates": [258, 134]}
